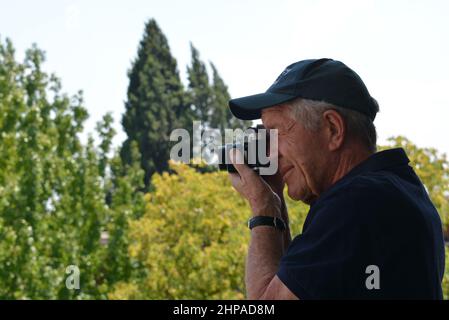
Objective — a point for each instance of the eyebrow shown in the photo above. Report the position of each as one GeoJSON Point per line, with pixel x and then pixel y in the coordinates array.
{"type": "Point", "coordinates": [269, 125]}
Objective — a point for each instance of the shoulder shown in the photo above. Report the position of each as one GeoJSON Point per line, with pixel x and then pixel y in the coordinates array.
{"type": "Point", "coordinates": [372, 189]}
{"type": "Point", "coordinates": [364, 198]}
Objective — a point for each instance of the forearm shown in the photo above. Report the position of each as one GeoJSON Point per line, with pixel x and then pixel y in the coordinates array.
{"type": "Point", "coordinates": [266, 247]}
{"type": "Point", "coordinates": [264, 253]}
{"type": "Point", "coordinates": [267, 244]}
{"type": "Point", "coordinates": [287, 235]}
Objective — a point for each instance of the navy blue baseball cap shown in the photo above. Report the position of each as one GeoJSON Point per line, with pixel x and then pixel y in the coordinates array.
{"type": "Point", "coordinates": [315, 79]}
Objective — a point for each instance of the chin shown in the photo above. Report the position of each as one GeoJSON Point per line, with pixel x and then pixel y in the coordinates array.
{"type": "Point", "coordinates": [293, 194]}
{"type": "Point", "coordinates": [300, 195]}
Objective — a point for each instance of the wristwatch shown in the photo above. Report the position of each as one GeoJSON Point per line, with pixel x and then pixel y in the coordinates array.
{"type": "Point", "coordinates": [276, 222]}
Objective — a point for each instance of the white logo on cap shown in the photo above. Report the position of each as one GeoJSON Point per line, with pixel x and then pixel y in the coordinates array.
{"type": "Point", "coordinates": [287, 70]}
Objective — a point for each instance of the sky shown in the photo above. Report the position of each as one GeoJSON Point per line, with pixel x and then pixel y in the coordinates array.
{"type": "Point", "coordinates": [399, 48]}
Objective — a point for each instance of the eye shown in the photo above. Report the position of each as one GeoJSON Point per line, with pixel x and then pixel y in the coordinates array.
{"type": "Point", "coordinates": [281, 132]}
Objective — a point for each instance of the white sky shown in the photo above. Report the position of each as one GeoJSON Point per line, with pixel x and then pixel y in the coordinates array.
{"type": "Point", "coordinates": [399, 48]}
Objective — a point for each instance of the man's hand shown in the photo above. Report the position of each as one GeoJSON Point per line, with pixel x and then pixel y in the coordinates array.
{"type": "Point", "coordinates": [263, 195]}
{"type": "Point", "coordinates": [267, 244]}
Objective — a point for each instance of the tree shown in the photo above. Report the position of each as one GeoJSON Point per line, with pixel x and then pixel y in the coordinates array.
{"type": "Point", "coordinates": [209, 104]}
{"type": "Point", "coordinates": [199, 90]}
{"type": "Point", "coordinates": [221, 116]}
{"type": "Point", "coordinates": [155, 104]}
{"type": "Point", "coordinates": [158, 103]}
{"type": "Point", "coordinates": [64, 202]}
{"type": "Point", "coordinates": [58, 196]}
{"type": "Point", "coordinates": [192, 239]}
{"type": "Point", "coordinates": [210, 99]}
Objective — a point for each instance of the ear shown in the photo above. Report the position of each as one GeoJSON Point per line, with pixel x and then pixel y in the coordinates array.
{"type": "Point", "coordinates": [335, 130]}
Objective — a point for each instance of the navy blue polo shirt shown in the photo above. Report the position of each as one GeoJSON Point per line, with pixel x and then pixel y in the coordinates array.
{"type": "Point", "coordinates": [374, 234]}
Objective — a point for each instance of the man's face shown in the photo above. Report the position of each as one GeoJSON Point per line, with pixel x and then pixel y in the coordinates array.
{"type": "Point", "coordinates": [302, 153]}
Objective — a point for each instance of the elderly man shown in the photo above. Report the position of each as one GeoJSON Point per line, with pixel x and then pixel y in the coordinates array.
{"type": "Point", "coordinates": [371, 231]}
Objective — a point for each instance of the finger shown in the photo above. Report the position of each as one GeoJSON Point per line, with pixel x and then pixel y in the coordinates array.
{"type": "Point", "coordinates": [245, 172]}
{"type": "Point", "coordinates": [236, 181]}
{"type": "Point", "coordinates": [246, 177]}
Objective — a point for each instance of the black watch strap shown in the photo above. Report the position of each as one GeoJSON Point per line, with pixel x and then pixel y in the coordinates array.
{"type": "Point", "coordinates": [276, 222]}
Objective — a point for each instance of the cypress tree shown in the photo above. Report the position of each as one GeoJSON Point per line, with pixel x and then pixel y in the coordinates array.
{"type": "Point", "coordinates": [155, 102]}
{"type": "Point", "coordinates": [199, 90]}
{"type": "Point", "coordinates": [221, 116]}
{"type": "Point", "coordinates": [209, 102]}
{"type": "Point", "coordinates": [210, 98]}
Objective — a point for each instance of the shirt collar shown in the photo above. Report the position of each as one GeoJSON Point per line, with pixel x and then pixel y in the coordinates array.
{"type": "Point", "coordinates": [378, 161]}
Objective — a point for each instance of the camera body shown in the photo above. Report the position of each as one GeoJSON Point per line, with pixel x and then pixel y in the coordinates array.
{"type": "Point", "coordinates": [254, 149]}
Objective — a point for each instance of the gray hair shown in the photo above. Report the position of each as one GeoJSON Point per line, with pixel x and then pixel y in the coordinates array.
{"type": "Point", "coordinates": [358, 125]}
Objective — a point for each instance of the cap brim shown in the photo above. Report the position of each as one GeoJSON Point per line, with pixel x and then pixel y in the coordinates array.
{"type": "Point", "coordinates": [250, 107]}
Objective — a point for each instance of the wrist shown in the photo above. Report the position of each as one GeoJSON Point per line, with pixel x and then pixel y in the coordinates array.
{"type": "Point", "coordinates": [270, 210]}
{"type": "Point", "coordinates": [275, 222]}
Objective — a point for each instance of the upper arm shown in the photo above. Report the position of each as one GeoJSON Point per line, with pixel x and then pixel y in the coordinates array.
{"type": "Point", "coordinates": [277, 290]}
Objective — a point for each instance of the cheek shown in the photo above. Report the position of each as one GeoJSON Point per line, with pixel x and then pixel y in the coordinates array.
{"type": "Point", "coordinates": [297, 187]}
{"type": "Point", "coordinates": [282, 148]}
{"type": "Point", "coordinates": [292, 155]}
{"type": "Point", "coordinates": [286, 146]}
{"type": "Point", "coordinates": [296, 156]}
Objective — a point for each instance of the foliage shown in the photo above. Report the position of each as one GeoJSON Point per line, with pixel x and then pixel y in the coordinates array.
{"type": "Point", "coordinates": [192, 239]}
{"type": "Point", "coordinates": [158, 103]}
{"type": "Point", "coordinates": [155, 104]}
{"type": "Point", "coordinates": [222, 117]}
{"type": "Point", "coordinates": [64, 202]}
{"type": "Point", "coordinates": [200, 92]}
{"type": "Point", "coordinates": [210, 99]}
{"type": "Point", "coordinates": [57, 195]}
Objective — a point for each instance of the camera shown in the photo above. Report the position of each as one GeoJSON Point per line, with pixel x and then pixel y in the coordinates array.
{"type": "Point", "coordinates": [254, 149]}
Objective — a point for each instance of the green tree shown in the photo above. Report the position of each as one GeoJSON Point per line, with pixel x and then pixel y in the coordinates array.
{"type": "Point", "coordinates": [64, 202]}
{"type": "Point", "coordinates": [127, 204]}
{"type": "Point", "coordinates": [58, 196]}
{"type": "Point", "coordinates": [221, 116]}
{"type": "Point", "coordinates": [209, 104]}
{"type": "Point", "coordinates": [199, 90]}
{"type": "Point", "coordinates": [192, 239]}
{"type": "Point", "coordinates": [155, 104]}
{"type": "Point", "coordinates": [210, 98]}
